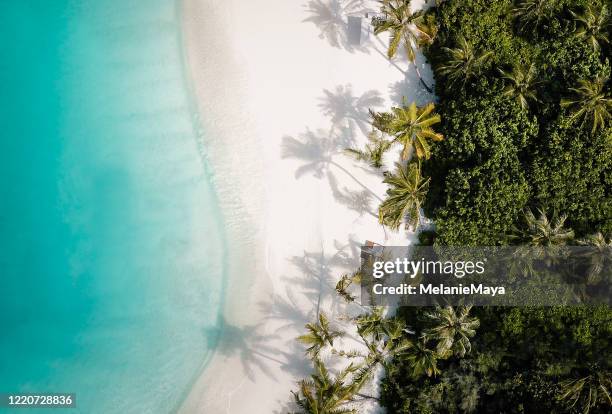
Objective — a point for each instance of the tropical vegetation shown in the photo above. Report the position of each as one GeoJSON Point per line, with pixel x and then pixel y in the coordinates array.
{"type": "Point", "coordinates": [517, 150]}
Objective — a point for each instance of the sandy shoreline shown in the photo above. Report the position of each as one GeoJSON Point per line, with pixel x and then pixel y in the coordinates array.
{"type": "Point", "coordinates": [281, 93]}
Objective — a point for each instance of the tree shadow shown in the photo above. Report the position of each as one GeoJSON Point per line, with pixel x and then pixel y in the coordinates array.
{"type": "Point", "coordinates": [320, 271]}
{"type": "Point", "coordinates": [314, 148]}
{"type": "Point", "coordinates": [412, 88]}
{"type": "Point", "coordinates": [255, 350]}
{"type": "Point", "coordinates": [346, 109]}
{"type": "Point", "coordinates": [358, 201]}
{"type": "Point", "coordinates": [317, 150]}
{"type": "Point", "coordinates": [330, 17]}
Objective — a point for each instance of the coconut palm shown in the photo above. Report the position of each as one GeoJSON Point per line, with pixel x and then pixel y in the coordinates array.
{"type": "Point", "coordinates": [452, 329]}
{"type": "Point", "coordinates": [406, 192]}
{"type": "Point", "coordinates": [590, 101]}
{"type": "Point", "coordinates": [392, 343]}
{"type": "Point", "coordinates": [383, 338]}
{"type": "Point", "coordinates": [345, 282]}
{"type": "Point", "coordinates": [530, 14]}
{"type": "Point", "coordinates": [463, 62]}
{"type": "Point", "coordinates": [599, 255]}
{"type": "Point", "coordinates": [542, 232]}
{"type": "Point", "coordinates": [587, 392]}
{"type": "Point", "coordinates": [592, 25]}
{"type": "Point", "coordinates": [422, 360]}
{"type": "Point", "coordinates": [326, 394]}
{"type": "Point", "coordinates": [373, 152]}
{"type": "Point", "coordinates": [319, 336]}
{"type": "Point", "coordinates": [407, 29]}
{"type": "Point", "coordinates": [411, 126]}
{"type": "Point", "coordinates": [521, 84]}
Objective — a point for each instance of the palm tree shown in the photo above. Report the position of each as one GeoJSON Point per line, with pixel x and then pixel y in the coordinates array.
{"type": "Point", "coordinates": [521, 84]}
{"type": "Point", "coordinates": [422, 360]}
{"type": "Point", "coordinates": [319, 336]}
{"type": "Point", "coordinates": [384, 339]}
{"type": "Point", "coordinates": [530, 14]}
{"type": "Point", "coordinates": [373, 152]}
{"type": "Point", "coordinates": [411, 126]}
{"type": "Point", "coordinates": [542, 232]}
{"type": "Point", "coordinates": [345, 282]}
{"type": "Point", "coordinates": [588, 392]}
{"type": "Point", "coordinates": [325, 394]}
{"type": "Point", "coordinates": [407, 189]}
{"type": "Point", "coordinates": [463, 62]}
{"type": "Point", "coordinates": [590, 102]}
{"type": "Point", "coordinates": [406, 28]}
{"type": "Point", "coordinates": [599, 255]}
{"type": "Point", "coordinates": [592, 25]}
{"type": "Point", "coordinates": [452, 329]}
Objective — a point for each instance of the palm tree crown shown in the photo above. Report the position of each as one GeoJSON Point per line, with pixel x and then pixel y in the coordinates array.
{"type": "Point", "coordinates": [373, 152]}
{"type": "Point", "coordinates": [463, 61]}
{"type": "Point", "coordinates": [406, 192]}
{"type": "Point", "coordinates": [325, 394]}
{"type": "Point", "coordinates": [592, 25]}
{"type": "Point", "coordinates": [411, 126]}
{"type": "Point", "coordinates": [319, 335]}
{"type": "Point", "coordinates": [452, 330]}
{"type": "Point", "coordinates": [530, 14]}
{"type": "Point", "coordinates": [423, 360]}
{"type": "Point", "coordinates": [412, 30]}
{"type": "Point", "coordinates": [590, 102]}
{"type": "Point", "coordinates": [587, 392]}
{"type": "Point", "coordinates": [521, 84]}
{"type": "Point", "coordinates": [542, 232]}
{"type": "Point", "coordinates": [405, 27]}
{"type": "Point", "coordinates": [599, 255]}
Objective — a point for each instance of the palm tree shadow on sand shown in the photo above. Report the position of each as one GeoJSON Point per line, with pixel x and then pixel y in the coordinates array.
{"type": "Point", "coordinates": [357, 201]}
{"type": "Point", "coordinates": [411, 86]}
{"type": "Point", "coordinates": [331, 18]}
{"type": "Point", "coordinates": [254, 349]}
{"type": "Point", "coordinates": [317, 150]}
{"type": "Point", "coordinates": [344, 108]}
{"type": "Point", "coordinates": [315, 284]}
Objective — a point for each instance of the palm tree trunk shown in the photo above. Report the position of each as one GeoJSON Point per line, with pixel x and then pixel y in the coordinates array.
{"type": "Point", "coordinates": [367, 397]}
{"type": "Point", "coordinates": [418, 72]}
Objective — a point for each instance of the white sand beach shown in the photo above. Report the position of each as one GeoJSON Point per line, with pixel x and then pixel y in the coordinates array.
{"type": "Point", "coordinates": [281, 92]}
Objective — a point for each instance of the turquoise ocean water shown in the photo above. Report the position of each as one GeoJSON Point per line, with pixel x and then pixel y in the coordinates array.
{"type": "Point", "coordinates": [111, 248]}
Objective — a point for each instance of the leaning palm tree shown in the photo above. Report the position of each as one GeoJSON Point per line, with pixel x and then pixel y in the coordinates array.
{"type": "Point", "coordinates": [587, 392]}
{"type": "Point", "coordinates": [326, 394]}
{"type": "Point", "coordinates": [592, 25]}
{"type": "Point", "coordinates": [407, 29]}
{"type": "Point", "coordinates": [406, 192]}
{"type": "Point", "coordinates": [463, 62]}
{"type": "Point", "coordinates": [319, 336]}
{"type": "Point", "coordinates": [373, 152]}
{"type": "Point", "coordinates": [542, 232]}
{"type": "Point", "coordinates": [452, 329]}
{"type": "Point", "coordinates": [590, 101]}
{"type": "Point", "coordinates": [521, 84]}
{"type": "Point", "coordinates": [411, 126]}
{"type": "Point", "coordinates": [530, 14]}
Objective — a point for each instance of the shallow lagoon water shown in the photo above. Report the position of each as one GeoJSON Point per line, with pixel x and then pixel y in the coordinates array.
{"type": "Point", "coordinates": [111, 243]}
